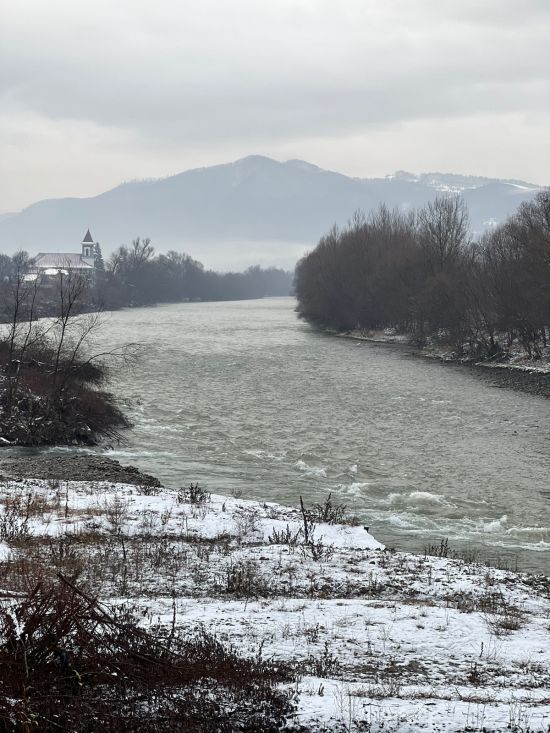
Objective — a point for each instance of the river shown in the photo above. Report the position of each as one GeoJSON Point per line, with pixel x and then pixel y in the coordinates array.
{"type": "Point", "coordinates": [243, 396]}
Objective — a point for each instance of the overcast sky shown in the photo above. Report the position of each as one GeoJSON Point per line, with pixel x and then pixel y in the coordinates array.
{"type": "Point", "coordinates": [94, 93]}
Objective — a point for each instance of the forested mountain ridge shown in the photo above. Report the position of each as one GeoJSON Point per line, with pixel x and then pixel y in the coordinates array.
{"type": "Point", "coordinates": [253, 210]}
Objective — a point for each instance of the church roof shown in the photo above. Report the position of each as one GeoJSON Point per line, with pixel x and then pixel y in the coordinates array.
{"type": "Point", "coordinates": [62, 261]}
{"type": "Point", "coordinates": [88, 238]}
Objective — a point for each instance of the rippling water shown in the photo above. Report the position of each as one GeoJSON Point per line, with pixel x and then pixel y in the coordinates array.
{"type": "Point", "coordinates": [244, 396]}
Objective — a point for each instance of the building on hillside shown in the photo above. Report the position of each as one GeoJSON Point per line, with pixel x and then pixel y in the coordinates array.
{"type": "Point", "coordinates": [85, 263]}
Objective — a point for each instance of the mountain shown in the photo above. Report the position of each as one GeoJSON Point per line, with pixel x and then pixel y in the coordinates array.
{"type": "Point", "coordinates": [255, 210]}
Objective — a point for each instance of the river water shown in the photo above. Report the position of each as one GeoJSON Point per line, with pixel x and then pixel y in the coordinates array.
{"type": "Point", "coordinates": [243, 396]}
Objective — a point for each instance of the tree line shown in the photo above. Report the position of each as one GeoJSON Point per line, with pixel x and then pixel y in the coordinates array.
{"type": "Point", "coordinates": [136, 275]}
{"type": "Point", "coordinates": [422, 273]}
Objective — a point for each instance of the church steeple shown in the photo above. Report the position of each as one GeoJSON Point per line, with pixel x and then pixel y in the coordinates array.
{"type": "Point", "coordinates": [87, 245]}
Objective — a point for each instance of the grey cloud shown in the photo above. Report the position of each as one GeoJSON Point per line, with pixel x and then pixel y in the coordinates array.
{"type": "Point", "coordinates": [188, 73]}
{"type": "Point", "coordinates": [138, 80]}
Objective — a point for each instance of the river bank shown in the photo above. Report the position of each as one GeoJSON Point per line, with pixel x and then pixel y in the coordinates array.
{"type": "Point", "coordinates": [532, 377]}
{"type": "Point", "coordinates": [380, 640]}
{"type": "Point", "coordinates": [71, 467]}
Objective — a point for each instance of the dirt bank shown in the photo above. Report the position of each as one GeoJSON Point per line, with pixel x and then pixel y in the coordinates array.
{"type": "Point", "coordinates": [72, 467]}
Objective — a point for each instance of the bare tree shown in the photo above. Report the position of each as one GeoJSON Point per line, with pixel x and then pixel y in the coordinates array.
{"type": "Point", "coordinates": [142, 251]}
{"type": "Point", "coordinates": [20, 306]}
{"type": "Point", "coordinates": [52, 368]}
{"type": "Point", "coordinates": [443, 227]}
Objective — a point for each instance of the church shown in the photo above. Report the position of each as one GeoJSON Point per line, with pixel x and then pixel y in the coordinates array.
{"type": "Point", "coordinates": [54, 263]}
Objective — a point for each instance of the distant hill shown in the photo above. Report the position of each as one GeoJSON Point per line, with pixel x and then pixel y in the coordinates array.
{"type": "Point", "coordinates": [255, 210]}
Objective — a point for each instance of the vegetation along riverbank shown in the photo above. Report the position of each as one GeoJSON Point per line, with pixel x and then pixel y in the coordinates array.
{"type": "Point", "coordinates": [519, 373]}
{"type": "Point", "coordinates": [423, 275]}
{"type": "Point", "coordinates": [51, 376]}
{"type": "Point", "coordinates": [134, 275]}
{"type": "Point", "coordinates": [126, 605]}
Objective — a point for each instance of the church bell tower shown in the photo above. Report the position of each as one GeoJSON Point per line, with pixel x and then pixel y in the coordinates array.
{"type": "Point", "coordinates": [88, 245]}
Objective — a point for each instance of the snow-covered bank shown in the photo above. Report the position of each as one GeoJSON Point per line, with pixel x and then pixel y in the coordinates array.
{"type": "Point", "coordinates": [518, 361]}
{"type": "Point", "coordinates": [383, 641]}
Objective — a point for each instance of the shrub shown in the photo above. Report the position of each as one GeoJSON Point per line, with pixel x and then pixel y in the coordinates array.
{"type": "Point", "coordinates": [330, 512]}
{"type": "Point", "coordinates": [193, 494]}
{"type": "Point", "coordinates": [69, 663]}
{"type": "Point", "coordinates": [317, 549]}
{"type": "Point", "coordinates": [245, 579]}
{"type": "Point", "coordinates": [313, 546]}
{"type": "Point", "coordinates": [325, 665]}
{"type": "Point", "coordinates": [13, 526]}
{"type": "Point", "coordinates": [285, 536]}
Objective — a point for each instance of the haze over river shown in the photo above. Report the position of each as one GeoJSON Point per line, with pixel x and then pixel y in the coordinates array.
{"type": "Point", "coordinates": [243, 395]}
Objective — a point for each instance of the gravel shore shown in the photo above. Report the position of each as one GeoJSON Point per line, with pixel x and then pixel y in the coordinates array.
{"type": "Point", "coordinates": [72, 467]}
{"type": "Point", "coordinates": [532, 382]}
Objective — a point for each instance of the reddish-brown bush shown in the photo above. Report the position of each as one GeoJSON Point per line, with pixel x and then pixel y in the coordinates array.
{"type": "Point", "coordinates": [70, 664]}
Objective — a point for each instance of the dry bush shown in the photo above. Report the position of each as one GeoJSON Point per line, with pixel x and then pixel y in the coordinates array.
{"type": "Point", "coordinates": [539, 584]}
{"type": "Point", "coordinates": [440, 550]}
{"type": "Point", "coordinates": [287, 536]}
{"type": "Point", "coordinates": [40, 414]}
{"type": "Point", "coordinates": [317, 550]}
{"type": "Point", "coordinates": [247, 523]}
{"type": "Point", "coordinates": [325, 665]}
{"type": "Point", "coordinates": [116, 511]}
{"type": "Point", "coordinates": [312, 546]}
{"type": "Point", "coordinates": [509, 618]}
{"type": "Point", "coordinates": [245, 579]}
{"type": "Point", "coordinates": [68, 663]}
{"type": "Point", "coordinates": [29, 504]}
{"type": "Point", "coordinates": [13, 526]}
{"type": "Point", "coordinates": [193, 494]}
{"type": "Point", "coordinates": [330, 512]}
{"type": "Point", "coordinates": [79, 415]}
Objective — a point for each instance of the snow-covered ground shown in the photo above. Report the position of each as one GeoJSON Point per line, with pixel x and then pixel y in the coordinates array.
{"type": "Point", "coordinates": [384, 641]}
